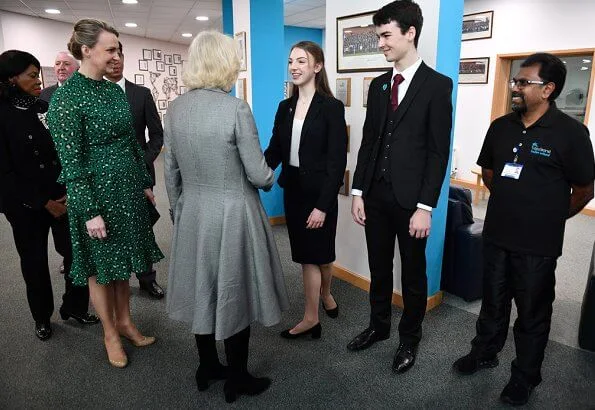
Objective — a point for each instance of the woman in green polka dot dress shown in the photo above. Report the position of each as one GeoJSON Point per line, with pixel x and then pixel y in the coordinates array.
{"type": "Point", "coordinates": [107, 184]}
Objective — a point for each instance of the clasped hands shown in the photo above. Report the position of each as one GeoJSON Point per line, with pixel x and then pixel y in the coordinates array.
{"type": "Point", "coordinates": [96, 227]}
{"type": "Point", "coordinates": [419, 224]}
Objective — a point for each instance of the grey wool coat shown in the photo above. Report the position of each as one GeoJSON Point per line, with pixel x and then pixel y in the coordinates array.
{"type": "Point", "coordinates": [224, 270]}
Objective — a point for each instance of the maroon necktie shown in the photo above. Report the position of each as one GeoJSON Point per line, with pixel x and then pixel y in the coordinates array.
{"type": "Point", "coordinates": [394, 92]}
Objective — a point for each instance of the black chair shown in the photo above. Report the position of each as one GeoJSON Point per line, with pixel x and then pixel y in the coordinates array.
{"type": "Point", "coordinates": [462, 264]}
{"type": "Point", "coordinates": [586, 329]}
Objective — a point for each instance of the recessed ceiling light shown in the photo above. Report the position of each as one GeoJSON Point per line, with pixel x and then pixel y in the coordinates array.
{"type": "Point", "coordinates": [131, 25]}
{"type": "Point", "coordinates": [186, 34]}
{"type": "Point", "coordinates": [202, 18]}
{"type": "Point", "coordinates": [52, 11]}
{"type": "Point", "coordinates": [586, 61]}
{"type": "Point", "coordinates": [584, 68]}
{"type": "Point", "coordinates": [129, 1]}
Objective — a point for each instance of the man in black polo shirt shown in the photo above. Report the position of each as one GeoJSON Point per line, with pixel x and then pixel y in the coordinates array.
{"type": "Point", "coordinates": [538, 164]}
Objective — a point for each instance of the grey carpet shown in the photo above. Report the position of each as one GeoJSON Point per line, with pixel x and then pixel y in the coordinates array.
{"type": "Point", "coordinates": [71, 370]}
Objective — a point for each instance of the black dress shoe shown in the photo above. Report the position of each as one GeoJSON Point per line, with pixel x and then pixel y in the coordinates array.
{"type": "Point", "coordinates": [152, 288]}
{"type": "Point", "coordinates": [404, 358]}
{"type": "Point", "coordinates": [366, 339]}
{"type": "Point", "coordinates": [83, 318]}
{"type": "Point", "coordinates": [43, 330]}
{"type": "Point", "coordinates": [516, 393]}
{"type": "Point", "coordinates": [332, 313]}
{"type": "Point", "coordinates": [471, 363]}
{"type": "Point", "coordinates": [315, 331]}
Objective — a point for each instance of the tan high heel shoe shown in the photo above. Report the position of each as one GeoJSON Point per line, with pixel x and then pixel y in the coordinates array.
{"type": "Point", "coordinates": [120, 364]}
{"type": "Point", "coordinates": [145, 341]}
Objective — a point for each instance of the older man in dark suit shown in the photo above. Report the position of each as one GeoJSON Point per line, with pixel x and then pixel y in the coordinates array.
{"type": "Point", "coordinates": [400, 169]}
{"type": "Point", "coordinates": [145, 116]}
{"type": "Point", "coordinates": [64, 66]}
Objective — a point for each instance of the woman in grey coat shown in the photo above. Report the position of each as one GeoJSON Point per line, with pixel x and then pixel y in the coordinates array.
{"type": "Point", "coordinates": [224, 271]}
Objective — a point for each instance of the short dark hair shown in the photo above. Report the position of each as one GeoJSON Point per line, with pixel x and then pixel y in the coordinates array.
{"type": "Point", "coordinates": [406, 13]}
{"type": "Point", "coordinates": [120, 47]}
{"type": "Point", "coordinates": [551, 70]}
{"type": "Point", "coordinates": [13, 63]}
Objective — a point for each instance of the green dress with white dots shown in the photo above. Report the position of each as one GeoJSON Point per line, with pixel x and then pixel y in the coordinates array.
{"type": "Point", "coordinates": [105, 174]}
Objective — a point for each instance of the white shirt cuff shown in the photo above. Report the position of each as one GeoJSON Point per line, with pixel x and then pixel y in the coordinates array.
{"type": "Point", "coordinates": [356, 192]}
{"type": "Point", "coordinates": [424, 207]}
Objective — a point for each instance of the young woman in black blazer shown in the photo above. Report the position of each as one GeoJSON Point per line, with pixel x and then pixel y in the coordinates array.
{"type": "Point", "coordinates": [310, 141]}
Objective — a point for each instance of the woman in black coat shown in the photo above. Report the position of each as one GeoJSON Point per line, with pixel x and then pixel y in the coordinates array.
{"type": "Point", "coordinates": [32, 200]}
{"type": "Point", "coordinates": [310, 141]}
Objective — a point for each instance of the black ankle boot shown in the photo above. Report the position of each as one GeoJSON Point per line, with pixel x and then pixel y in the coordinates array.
{"type": "Point", "coordinates": [204, 374]}
{"type": "Point", "coordinates": [210, 368]}
{"type": "Point", "coordinates": [246, 384]}
{"type": "Point", "coordinates": [240, 381]}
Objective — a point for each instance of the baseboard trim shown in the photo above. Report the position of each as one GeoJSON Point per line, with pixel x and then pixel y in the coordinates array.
{"type": "Point", "coordinates": [473, 185]}
{"type": "Point", "coordinates": [364, 283]}
{"type": "Point", "coordinates": [277, 220]}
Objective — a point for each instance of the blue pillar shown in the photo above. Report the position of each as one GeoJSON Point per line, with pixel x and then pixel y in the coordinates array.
{"type": "Point", "coordinates": [268, 73]}
{"type": "Point", "coordinates": [450, 27]}
{"type": "Point", "coordinates": [227, 16]}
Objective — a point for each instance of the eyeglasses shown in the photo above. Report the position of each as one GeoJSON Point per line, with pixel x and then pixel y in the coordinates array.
{"type": "Point", "coordinates": [522, 83]}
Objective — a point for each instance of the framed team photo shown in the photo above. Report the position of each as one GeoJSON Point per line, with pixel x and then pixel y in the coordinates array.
{"type": "Point", "coordinates": [477, 25]}
{"type": "Point", "coordinates": [357, 45]}
{"type": "Point", "coordinates": [474, 70]}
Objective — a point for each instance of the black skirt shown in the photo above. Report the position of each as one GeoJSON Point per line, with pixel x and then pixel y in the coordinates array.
{"type": "Point", "coordinates": [308, 246]}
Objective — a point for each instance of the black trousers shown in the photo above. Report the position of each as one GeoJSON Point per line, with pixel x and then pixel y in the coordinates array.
{"type": "Point", "coordinates": [385, 221]}
{"type": "Point", "coordinates": [530, 281]}
{"type": "Point", "coordinates": [30, 229]}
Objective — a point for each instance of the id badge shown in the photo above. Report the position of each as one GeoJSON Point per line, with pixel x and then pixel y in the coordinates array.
{"type": "Point", "coordinates": [512, 170]}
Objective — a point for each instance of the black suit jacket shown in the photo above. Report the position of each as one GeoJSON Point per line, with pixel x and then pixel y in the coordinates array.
{"type": "Point", "coordinates": [29, 165]}
{"type": "Point", "coordinates": [420, 137]}
{"type": "Point", "coordinates": [322, 150]}
{"type": "Point", "coordinates": [145, 115]}
{"type": "Point", "coordinates": [47, 92]}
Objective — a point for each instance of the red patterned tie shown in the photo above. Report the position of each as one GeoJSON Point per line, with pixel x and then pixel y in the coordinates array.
{"type": "Point", "coordinates": [394, 94]}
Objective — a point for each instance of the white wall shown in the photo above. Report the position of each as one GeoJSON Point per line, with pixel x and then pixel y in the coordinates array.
{"type": "Point", "coordinates": [351, 244]}
{"type": "Point", "coordinates": [241, 22]}
{"type": "Point", "coordinates": [519, 26]}
{"type": "Point", "coordinates": [44, 38]}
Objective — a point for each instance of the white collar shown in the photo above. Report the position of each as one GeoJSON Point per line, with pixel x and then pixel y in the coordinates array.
{"type": "Point", "coordinates": [409, 72]}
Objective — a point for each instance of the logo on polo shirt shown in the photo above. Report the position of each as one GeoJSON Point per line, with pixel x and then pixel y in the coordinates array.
{"type": "Point", "coordinates": [537, 150]}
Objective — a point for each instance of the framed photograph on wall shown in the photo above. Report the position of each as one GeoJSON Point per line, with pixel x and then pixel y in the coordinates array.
{"type": "Point", "coordinates": [48, 77]}
{"type": "Point", "coordinates": [366, 88]}
{"type": "Point", "coordinates": [477, 25]}
{"type": "Point", "coordinates": [157, 55]}
{"type": "Point", "coordinates": [160, 66]}
{"type": "Point", "coordinates": [139, 79]}
{"type": "Point", "coordinates": [162, 104]}
{"type": "Point", "coordinates": [345, 187]}
{"type": "Point", "coordinates": [167, 59]}
{"type": "Point", "coordinates": [241, 39]}
{"type": "Point", "coordinates": [474, 70]}
{"type": "Point", "coordinates": [241, 89]}
{"type": "Point", "coordinates": [173, 70]}
{"type": "Point", "coordinates": [357, 45]}
{"type": "Point", "coordinates": [147, 54]}
{"type": "Point", "coordinates": [177, 59]}
{"type": "Point", "coordinates": [343, 91]}
{"type": "Point", "coordinates": [143, 65]}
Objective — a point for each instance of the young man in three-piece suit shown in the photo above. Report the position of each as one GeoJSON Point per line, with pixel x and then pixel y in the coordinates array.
{"type": "Point", "coordinates": [145, 116]}
{"type": "Point", "coordinates": [400, 169]}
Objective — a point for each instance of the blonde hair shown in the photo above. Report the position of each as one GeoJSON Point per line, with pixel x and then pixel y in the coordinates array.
{"type": "Point", "coordinates": [86, 33]}
{"type": "Point", "coordinates": [213, 62]}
